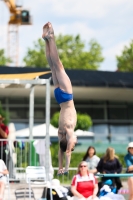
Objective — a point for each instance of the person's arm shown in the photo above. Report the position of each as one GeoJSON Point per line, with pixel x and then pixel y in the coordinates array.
{"type": "Point", "coordinates": [3, 134]}
{"type": "Point", "coordinates": [100, 166]}
{"type": "Point", "coordinates": [119, 167]}
{"type": "Point", "coordinates": [60, 158]}
{"type": "Point", "coordinates": [75, 192]}
{"type": "Point", "coordinates": [68, 159]}
{"type": "Point", "coordinates": [95, 191]}
{"type": "Point", "coordinates": [70, 145]}
{"type": "Point", "coordinates": [128, 163]}
{"type": "Point", "coordinates": [68, 153]}
{"type": "Point", "coordinates": [93, 171]}
{"type": "Point", "coordinates": [5, 172]}
{"type": "Point", "coordinates": [60, 155]}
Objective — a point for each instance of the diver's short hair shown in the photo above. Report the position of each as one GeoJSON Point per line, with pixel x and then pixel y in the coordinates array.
{"type": "Point", "coordinates": [63, 145]}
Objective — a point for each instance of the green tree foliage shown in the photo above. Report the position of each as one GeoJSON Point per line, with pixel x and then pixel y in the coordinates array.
{"type": "Point", "coordinates": [125, 60]}
{"type": "Point", "coordinates": [55, 119]}
{"type": "Point", "coordinates": [35, 57]}
{"type": "Point", "coordinates": [72, 52]}
{"type": "Point", "coordinates": [84, 121]}
{"type": "Point", "coordinates": [77, 157]}
{"type": "Point", "coordinates": [3, 59]}
{"type": "Point", "coordinates": [4, 114]}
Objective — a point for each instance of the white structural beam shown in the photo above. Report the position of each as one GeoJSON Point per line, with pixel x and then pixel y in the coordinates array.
{"type": "Point", "coordinates": [31, 112]}
{"type": "Point", "coordinates": [18, 81]}
{"type": "Point", "coordinates": [47, 141]}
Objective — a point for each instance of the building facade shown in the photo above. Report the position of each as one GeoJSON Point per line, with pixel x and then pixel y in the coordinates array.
{"type": "Point", "coordinates": [106, 96]}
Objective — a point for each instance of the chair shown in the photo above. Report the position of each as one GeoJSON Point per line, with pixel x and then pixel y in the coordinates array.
{"type": "Point", "coordinates": [22, 193]}
{"type": "Point", "coordinates": [35, 175]}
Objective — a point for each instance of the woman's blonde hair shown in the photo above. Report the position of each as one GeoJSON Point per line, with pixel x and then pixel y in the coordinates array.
{"type": "Point", "coordinates": [110, 154]}
{"type": "Point", "coordinates": [78, 171]}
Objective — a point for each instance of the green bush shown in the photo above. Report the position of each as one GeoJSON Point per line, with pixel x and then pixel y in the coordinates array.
{"type": "Point", "coordinates": [55, 119]}
{"type": "Point", "coordinates": [84, 121]}
{"type": "Point", "coordinates": [76, 158]}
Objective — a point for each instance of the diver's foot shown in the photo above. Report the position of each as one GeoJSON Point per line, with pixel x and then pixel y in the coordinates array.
{"type": "Point", "coordinates": [48, 31]}
{"type": "Point", "coordinates": [66, 173]}
{"type": "Point", "coordinates": [60, 172]}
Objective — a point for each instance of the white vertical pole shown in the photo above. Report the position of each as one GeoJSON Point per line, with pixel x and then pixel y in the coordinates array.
{"type": "Point", "coordinates": [31, 112]}
{"type": "Point", "coordinates": [47, 140]}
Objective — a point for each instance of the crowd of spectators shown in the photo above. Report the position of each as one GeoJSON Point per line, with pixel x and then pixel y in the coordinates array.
{"type": "Point", "coordinates": [87, 185]}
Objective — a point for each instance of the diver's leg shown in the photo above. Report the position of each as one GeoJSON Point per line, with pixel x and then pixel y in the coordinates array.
{"type": "Point", "coordinates": [47, 51]}
{"type": "Point", "coordinates": [63, 79]}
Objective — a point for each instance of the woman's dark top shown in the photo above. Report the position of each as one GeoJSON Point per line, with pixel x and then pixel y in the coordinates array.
{"type": "Point", "coordinates": [109, 167]}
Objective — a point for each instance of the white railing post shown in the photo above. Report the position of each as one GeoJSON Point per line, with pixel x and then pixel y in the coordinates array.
{"type": "Point", "coordinates": [47, 154]}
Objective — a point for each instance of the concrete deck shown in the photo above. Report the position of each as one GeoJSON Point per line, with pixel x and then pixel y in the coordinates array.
{"type": "Point", "coordinates": [38, 189]}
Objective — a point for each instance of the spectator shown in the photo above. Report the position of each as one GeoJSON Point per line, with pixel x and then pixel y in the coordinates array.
{"type": "Point", "coordinates": [109, 164]}
{"type": "Point", "coordinates": [3, 173]}
{"type": "Point", "coordinates": [129, 163]}
{"type": "Point", "coordinates": [84, 184]}
{"type": "Point", "coordinates": [92, 159]}
{"type": "Point", "coordinates": [4, 148]}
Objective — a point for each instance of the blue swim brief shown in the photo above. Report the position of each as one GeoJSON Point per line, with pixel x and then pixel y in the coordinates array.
{"type": "Point", "coordinates": [62, 96]}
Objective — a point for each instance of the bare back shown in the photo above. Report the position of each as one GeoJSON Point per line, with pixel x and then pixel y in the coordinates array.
{"type": "Point", "coordinates": [67, 119]}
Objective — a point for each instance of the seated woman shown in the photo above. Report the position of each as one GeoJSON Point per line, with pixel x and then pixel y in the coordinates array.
{"type": "Point", "coordinates": [84, 184]}
{"type": "Point", "coordinates": [3, 173]}
{"type": "Point", "coordinates": [109, 164]}
{"type": "Point", "coordinates": [92, 159]}
{"type": "Point", "coordinates": [129, 164]}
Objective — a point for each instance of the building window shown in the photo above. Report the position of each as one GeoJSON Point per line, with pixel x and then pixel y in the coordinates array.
{"type": "Point", "coordinates": [119, 129]}
{"type": "Point", "coordinates": [117, 113]}
{"type": "Point", "coordinates": [130, 112]}
{"type": "Point", "coordinates": [119, 133]}
{"type": "Point", "coordinates": [39, 114]}
{"type": "Point", "coordinates": [101, 129]}
{"type": "Point", "coordinates": [18, 113]}
{"type": "Point", "coordinates": [97, 113]}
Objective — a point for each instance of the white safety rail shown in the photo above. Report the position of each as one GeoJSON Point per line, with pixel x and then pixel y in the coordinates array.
{"type": "Point", "coordinates": [21, 153]}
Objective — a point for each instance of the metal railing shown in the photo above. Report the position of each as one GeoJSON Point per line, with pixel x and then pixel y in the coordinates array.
{"type": "Point", "coordinates": [17, 155]}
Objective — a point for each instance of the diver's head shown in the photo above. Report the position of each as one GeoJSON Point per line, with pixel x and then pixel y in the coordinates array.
{"type": "Point", "coordinates": [63, 143]}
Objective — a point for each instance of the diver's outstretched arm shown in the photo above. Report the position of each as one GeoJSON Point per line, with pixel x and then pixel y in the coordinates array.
{"type": "Point", "coordinates": [60, 160]}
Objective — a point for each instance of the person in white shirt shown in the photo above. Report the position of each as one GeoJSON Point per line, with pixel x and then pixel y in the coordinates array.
{"type": "Point", "coordinates": [92, 159]}
{"type": "Point", "coordinates": [3, 173]}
